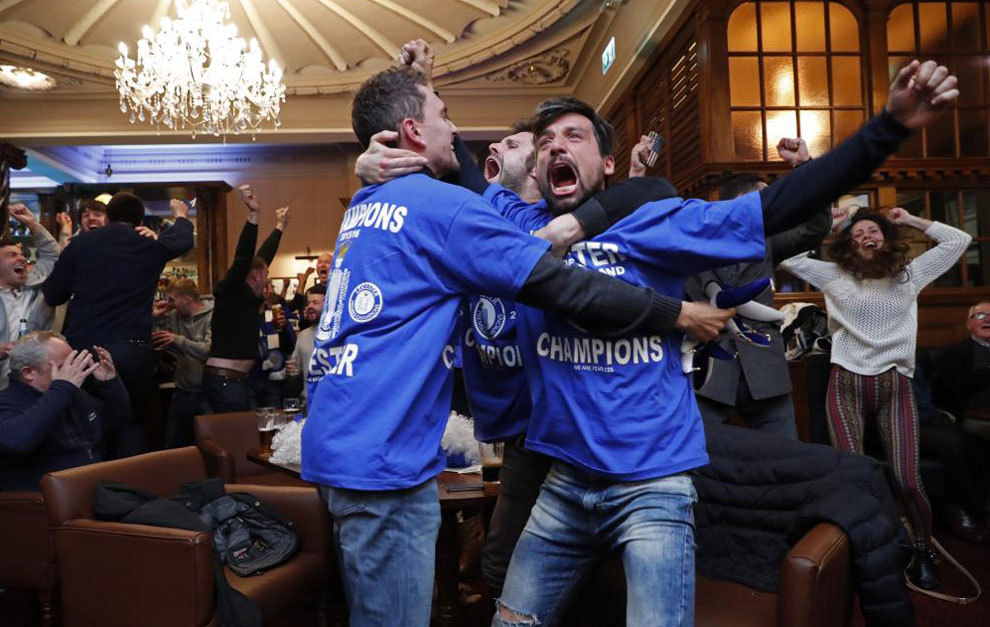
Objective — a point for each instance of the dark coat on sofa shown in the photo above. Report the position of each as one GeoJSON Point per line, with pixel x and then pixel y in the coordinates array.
{"type": "Point", "coordinates": [761, 493]}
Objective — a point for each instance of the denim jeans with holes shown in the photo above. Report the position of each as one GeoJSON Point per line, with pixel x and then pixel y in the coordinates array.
{"type": "Point", "coordinates": [580, 518]}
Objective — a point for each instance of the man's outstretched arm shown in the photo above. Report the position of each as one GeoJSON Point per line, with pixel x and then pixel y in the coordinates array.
{"type": "Point", "coordinates": [920, 93]}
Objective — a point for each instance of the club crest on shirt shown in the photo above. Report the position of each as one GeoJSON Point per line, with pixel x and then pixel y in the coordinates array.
{"type": "Point", "coordinates": [365, 302]}
{"type": "Point", "coordinates": [333, 302]}
{"type": "Point", "coordinates": [489, 317]}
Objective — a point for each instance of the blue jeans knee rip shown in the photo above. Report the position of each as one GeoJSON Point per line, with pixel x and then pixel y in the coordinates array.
{"type": "Point", "coordinates": [520, 619]}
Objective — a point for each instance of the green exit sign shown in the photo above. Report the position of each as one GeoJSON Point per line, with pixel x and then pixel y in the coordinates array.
{"type": "Point", "coordinates": [608, 56]}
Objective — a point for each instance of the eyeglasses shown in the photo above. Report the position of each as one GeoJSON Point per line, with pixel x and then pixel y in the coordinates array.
{"type": "Point", "coordinates": [980, 315]}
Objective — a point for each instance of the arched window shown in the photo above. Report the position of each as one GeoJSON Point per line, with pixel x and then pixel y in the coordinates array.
{"type": "Point", "coordinates": [955, 34]}
{"type": "Point", "coordinates": [795, 69]}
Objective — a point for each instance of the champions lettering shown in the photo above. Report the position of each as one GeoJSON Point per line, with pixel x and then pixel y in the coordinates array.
{"type": "Point", "coordinates": [594, 351]}
{"type": "Point", "coordinates": [379, 215]}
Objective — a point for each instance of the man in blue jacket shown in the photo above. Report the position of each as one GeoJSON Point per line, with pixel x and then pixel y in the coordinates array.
{"type": "Point", "coordinates": [47, 422]}
{"type": "Point", "coordinates": [111, 274]}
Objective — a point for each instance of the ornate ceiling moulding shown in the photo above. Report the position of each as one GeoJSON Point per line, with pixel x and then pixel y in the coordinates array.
{"type": "Point", "coordinates": [545, 68]}
{"type": "Point", "coordinates": [75, 47]}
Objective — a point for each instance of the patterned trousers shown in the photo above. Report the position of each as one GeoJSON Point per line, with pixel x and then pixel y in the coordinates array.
{"type": "Point", "coordinates": [888, 399]}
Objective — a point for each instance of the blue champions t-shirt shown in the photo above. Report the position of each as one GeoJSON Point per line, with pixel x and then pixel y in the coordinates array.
{"type": "Point", "coordinates": [623, 408]}
{"type": "Point", "coordinates": [380, 381]}
{"type": "Point", "coordinates": [492, 358]}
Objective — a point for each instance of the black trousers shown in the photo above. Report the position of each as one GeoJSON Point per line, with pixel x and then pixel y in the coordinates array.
{"type": "Point", "coordinates": [965, 459]}
{"type": "Point", "coordinates": [522, 476]}
{"type": "Point", "coordinates": [135, 364]}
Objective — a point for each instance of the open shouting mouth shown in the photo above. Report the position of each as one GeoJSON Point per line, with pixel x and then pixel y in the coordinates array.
{"type": "Point", "coordinates": [563, 179]}
{"type": "Point", "coordinates": [492, 168]}
{"type": "Point", "coordinates": [20, 270]}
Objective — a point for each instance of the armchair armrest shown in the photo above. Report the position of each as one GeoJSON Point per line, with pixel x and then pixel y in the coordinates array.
{"type": "Point", "coordinates": [122, 574]}
{"type": "Point", "coordinates": [815, 587]}
{"type": "Point", "coordinates": [305, 508]}
{"type": "Point", "coordinates": [219, 462]}
{"type": "Point", "coordinates": [28, 557]}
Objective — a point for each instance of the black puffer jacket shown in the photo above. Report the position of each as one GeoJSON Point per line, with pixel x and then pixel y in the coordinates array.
{"type": "Point", "coordinates": [760, 494]}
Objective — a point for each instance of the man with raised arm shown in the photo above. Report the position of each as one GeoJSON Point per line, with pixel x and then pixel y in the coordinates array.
{"type": "Point", "coordinates": [234, 327]}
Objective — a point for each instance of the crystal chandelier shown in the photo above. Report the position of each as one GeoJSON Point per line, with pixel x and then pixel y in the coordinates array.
{"type": "Point", "coordinates": [196, 73]}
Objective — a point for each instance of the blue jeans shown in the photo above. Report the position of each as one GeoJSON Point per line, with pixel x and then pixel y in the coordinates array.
{"type": "Point", "coordinates": [386, 547]}
{"type": "Point", "coordinates": [579, 519]}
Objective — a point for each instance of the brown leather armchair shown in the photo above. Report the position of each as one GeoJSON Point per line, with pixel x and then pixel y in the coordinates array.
{"type": "Point", "coordinates": [225, 440]}
{"type": "Point", "coordinates": [815, 590]}
{"type": "Point", "coordinates": [27, 560]}
{"type": "Point", "coordinates": [116, 574]}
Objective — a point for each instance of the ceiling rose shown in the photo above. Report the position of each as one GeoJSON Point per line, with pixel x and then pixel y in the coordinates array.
{"type": "Point", "coordinates": [25, 78]}
{"type": "Point", "coordinates": [195, 73]}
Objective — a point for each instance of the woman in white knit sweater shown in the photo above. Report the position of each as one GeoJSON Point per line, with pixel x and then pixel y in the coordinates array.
{"type": "Point", "coordinates": [872, 298]}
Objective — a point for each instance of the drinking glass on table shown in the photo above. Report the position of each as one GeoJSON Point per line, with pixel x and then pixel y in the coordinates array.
{"type": "Point", "coordinates": [266, 428]}
{"type": "Point", "coordinates": [491, 462]}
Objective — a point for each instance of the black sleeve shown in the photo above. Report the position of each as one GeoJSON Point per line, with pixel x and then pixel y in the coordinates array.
{"type": "Point", "coordinates": [270, 246]}
{"type": "Point", "coordinates": [243, 254]}
{"type": "Point", "coordinates": [795, 198]}
{"type": "Point", "coordinates": [601, 304]}
{"type": "Point", "coordinates": [176, 239]}
{"type": "Point", "coordinates": [801, 238]}
{"type": "Point", "coordinates": [468, 176]}
{"type": "Point", "coordinates": [618, 201]}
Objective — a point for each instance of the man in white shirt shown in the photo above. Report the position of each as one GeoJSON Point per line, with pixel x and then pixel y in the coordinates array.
{"type": "Point", "coordinates": [22, 305]}
{"type": "Point", "coordinates": [306, 340]}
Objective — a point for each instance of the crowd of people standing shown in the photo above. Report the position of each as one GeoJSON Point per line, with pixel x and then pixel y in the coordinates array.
{"type": "Point", "coordinates": [568, 366]}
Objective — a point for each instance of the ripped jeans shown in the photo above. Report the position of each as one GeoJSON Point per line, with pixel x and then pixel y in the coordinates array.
{"type": "Point", "coordinates": [580, 518]}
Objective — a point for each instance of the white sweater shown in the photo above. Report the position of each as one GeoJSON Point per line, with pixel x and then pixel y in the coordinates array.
{"type": "Point", "coordinates": [874, 322]}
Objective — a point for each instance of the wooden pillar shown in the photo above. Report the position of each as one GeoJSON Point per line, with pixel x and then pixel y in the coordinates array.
{"type": "Point", "coordinates": [713, 58]}
{"type": "Point", "coordinates": [11, 158]}
{"type": "Point", "coordinates": [874, 35]}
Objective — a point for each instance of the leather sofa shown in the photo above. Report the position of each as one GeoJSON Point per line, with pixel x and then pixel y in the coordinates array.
{"type": "Point", "coordinates": [27, 560]}
{"type": "Point", "coordinates": [115, 574]}
{"type": "Point", "coordinates": [815, 590]}
{"type": "Point", "coordinates": [225, 440]}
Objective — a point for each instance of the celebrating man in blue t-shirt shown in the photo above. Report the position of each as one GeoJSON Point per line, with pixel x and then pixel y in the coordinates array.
{"type": "Point", "coordinates": [618, 414]}
{"type": "Point", "coordinates": [379, 387]}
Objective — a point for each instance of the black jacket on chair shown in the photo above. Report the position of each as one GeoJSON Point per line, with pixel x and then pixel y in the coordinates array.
{"type": "Point", "coordinates": [761, 493]}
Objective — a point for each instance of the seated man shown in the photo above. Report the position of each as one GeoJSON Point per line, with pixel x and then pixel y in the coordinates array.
{"type": "Point", "coordinates": [303, 352]}
{"type": "Point", "coordinates": [960, 382]}
{"type": "Point", "coordinates": [47, 422]}
{"type": "Point", "coordinates": [185, 331]}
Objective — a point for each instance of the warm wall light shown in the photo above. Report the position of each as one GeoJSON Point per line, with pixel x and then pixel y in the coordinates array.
{"type": "Point", "coordinates": [25, 78]}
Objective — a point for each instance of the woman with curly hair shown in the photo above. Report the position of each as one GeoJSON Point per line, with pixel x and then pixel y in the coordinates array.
{"type": "Point", "coordinates": [871, 293]}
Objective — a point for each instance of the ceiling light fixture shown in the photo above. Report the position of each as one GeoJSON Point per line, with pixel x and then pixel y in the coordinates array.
{"type": "Point", "coordinates": [25, 78]}
{"type": "Point", "coordinates": [196, 73]}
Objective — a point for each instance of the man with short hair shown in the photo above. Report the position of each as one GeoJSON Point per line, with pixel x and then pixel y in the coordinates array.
{"type": "Point", "coordinates": [111, 274]}
{"type": "Point", "coordinates": [619, 415]}
{"type": "Point", "coordinates": [238, 298]}
{"type": "Point", "coordinates": [47, 422]}
{"type": "Point", "coordinates": [298, 364]}
{"type": "Point", "coordinates": [92, 215]}
{"type": "Point", "coordinates": [960, 383]}
{"type": "Point", "coordinates": [185, 321]}
{"type": "Point", "coordinates": [756, 385]}
{"type": "Point", "coordinates": [379, 387]}
{"type": "Point", "coordinates": [22, 305]}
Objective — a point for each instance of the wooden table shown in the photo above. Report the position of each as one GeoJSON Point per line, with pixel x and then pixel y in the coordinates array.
{"type": "Point", "coordinates": [448, 546]}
